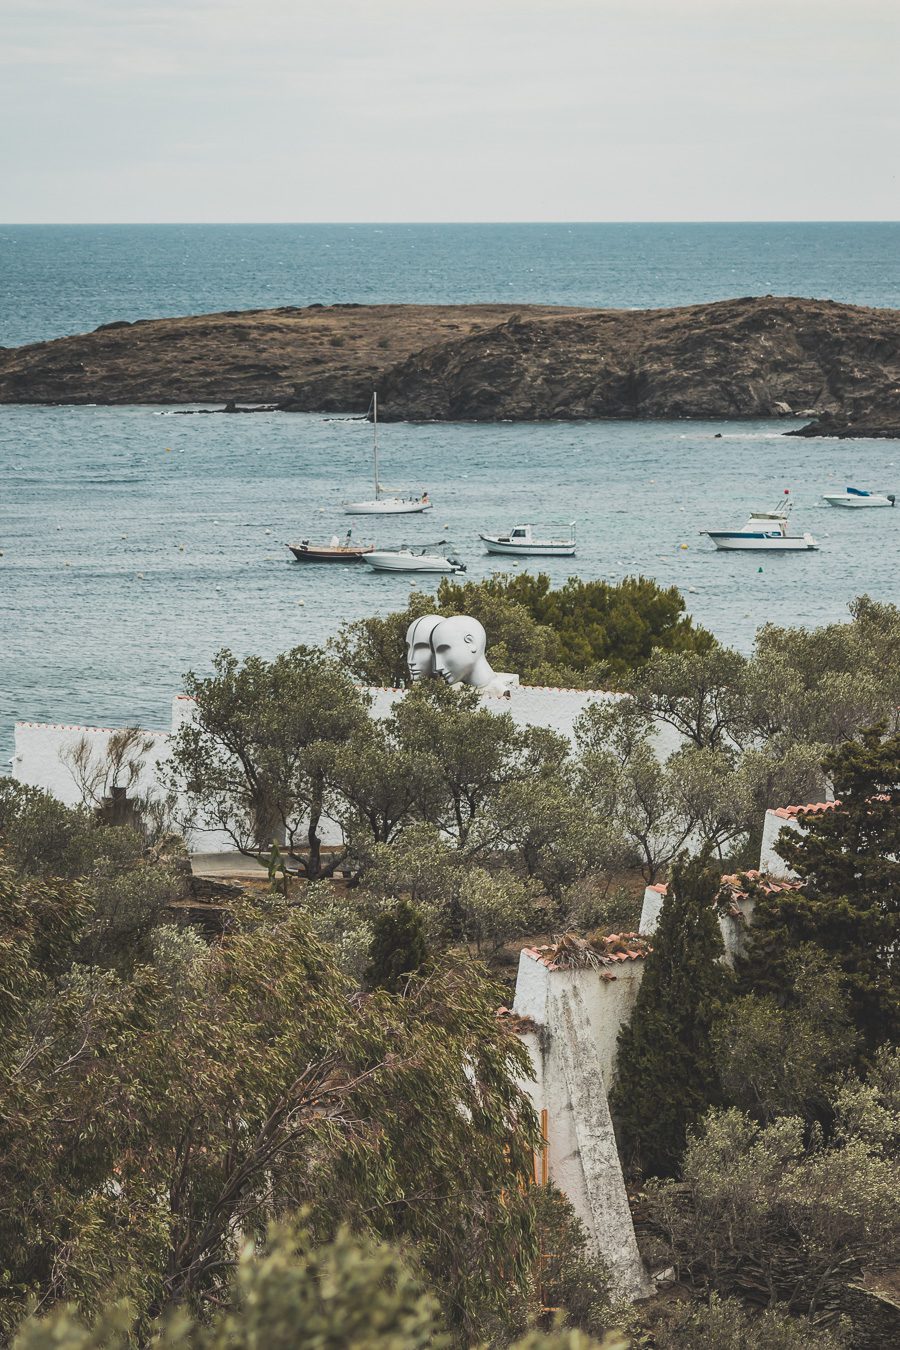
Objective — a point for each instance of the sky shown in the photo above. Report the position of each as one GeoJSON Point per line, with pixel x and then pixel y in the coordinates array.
{"type": "Point", "coordinates": [449, 110]}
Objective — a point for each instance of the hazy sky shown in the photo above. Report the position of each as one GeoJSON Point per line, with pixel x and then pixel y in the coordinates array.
{"type": "Point", "coordinates": [413, 110]}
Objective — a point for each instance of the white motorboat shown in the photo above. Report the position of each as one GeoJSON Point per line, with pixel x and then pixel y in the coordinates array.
{"type": "Point", "coordinates": [857, 497]}
{"type": "Point", "coordinates": [411, 560]}
{"type": "Point", "coordinates": [383, 503]}
{"type": "Point", "coordinates": [765, 530]}
{"type": "Point", "coordinates": [522, 543]}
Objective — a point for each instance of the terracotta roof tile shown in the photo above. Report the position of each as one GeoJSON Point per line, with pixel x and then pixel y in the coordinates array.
{"type": "Point", "coordinates": [734, 884]}
{"type": "Point", "coordinates": [811, 809]}
{"type": "Point", "coordinates": [573, 952]}
{"type": "Point", "coordinates": [516, 1022]}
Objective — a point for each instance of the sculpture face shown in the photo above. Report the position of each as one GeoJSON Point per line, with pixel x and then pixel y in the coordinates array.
{"type": "Point", "coordinates": [419, 655]}
{"type": "Point", "coordinates": [458, 645]}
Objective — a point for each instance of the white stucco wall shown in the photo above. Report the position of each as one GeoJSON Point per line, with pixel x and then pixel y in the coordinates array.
{"type": "Point", "coordinates": [608, 994]}
{"type": "Point", "coordinates": [577, 1017]}
{"type": "Point", "coordinates": [40, 746]}
{"type": "Point", "coordinates": [770, 861]}
{"type": "Point", "coordinates": [41, 749]}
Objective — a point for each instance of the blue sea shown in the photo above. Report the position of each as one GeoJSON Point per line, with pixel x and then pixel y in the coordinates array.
{"type": "Point", "coordinates": [136, 543]}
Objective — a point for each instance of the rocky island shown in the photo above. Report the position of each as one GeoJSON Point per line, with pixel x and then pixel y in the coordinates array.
{"type": "Point", "coordinates": [837, 365]}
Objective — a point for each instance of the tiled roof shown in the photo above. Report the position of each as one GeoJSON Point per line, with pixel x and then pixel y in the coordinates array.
{"type": "Point", "coordinates": [571, 951]}
{"type": "Point", "coordinates": [812, 809]}
{"type": "Point", "coordinates": [737, 890]}
{"type": "Point", "coordinates": [768, 885]}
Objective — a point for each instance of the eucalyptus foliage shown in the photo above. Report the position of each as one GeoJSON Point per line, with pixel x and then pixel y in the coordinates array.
{"type": "Point", "coordinates": [150, 1123]}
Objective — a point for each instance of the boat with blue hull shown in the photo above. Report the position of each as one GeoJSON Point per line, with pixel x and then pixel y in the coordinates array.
{"type": "Point", "coordinates": [765, 531]}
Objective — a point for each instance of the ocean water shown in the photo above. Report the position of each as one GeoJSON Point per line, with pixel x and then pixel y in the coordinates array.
{"type": "Point", "coordinates": [135, 543]}
{"type": "Point", "coordinates": [58, 279]}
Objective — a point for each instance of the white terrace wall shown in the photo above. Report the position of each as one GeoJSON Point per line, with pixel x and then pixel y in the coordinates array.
{"type": "Point", "coordinates": [608, 992]}
{"type": "Point", "coordinates": [42, 751]}
{"type": "Point", "coordinates": [41, 748]}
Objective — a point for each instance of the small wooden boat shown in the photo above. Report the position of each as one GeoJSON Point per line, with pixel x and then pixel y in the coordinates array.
{"type": "Point", "coordinates": [522, 543]}
{"type": "Point", "coordinates": [857, 497]}
{"type": "Point", "coordinates": [329, 553]}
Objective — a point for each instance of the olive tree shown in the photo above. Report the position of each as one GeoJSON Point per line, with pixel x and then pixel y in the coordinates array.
{"type": "Point", "coordinates": [253, 759]}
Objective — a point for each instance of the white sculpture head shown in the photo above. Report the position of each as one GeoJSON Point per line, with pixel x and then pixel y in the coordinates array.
{"type": "Point", "coordinates": [459, 644]}
{"type": "Point", "coordinates": [419, 653]}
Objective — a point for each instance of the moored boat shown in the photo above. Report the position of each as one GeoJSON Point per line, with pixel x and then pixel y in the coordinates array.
{"type": "Point", "coordinates": [766, 531]}
{"type": "Point", "coordinates": [384, 503]}
{"type": "Point", "coordinates": [330, 553]}
{"type": "Point", "coordinates": [859, 497]}
{"type": "Point", "coordinates": [412, 560]}
{"type": "Point", "coordinates": [521, 542]}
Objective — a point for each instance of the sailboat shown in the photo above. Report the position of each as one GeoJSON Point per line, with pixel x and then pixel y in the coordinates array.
{"type": "Point", "coordinates": [383, 504]}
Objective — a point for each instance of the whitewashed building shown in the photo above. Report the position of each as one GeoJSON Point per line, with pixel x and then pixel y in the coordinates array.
{"type": "Point", "coordinates": [569, 1004]}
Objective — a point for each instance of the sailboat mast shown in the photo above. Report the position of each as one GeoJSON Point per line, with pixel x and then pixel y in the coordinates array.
{"type": "Point", "coordinates": [375, 438]}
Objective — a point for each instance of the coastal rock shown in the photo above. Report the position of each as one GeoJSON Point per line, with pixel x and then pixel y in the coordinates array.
{"type": "Point", "coordinates": [308, 360]}
{"type": "Point", "coordinates": [737, 358]}
{"type": "Point", "coordinates": [753, 357]}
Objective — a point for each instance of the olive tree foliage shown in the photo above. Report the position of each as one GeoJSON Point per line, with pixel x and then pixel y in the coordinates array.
{"type": "Point", "coordinates": [782, 1212]}
{"type": "Point", "coordinates": [466, 754]}
{"type": "Point", "coordinates": [252, 761]}
{"type": "Point", "coordinates": [458, 899]}
{"type": "Point", "coordinates": [152, 1121]}
{"type": "Point", "coordinates": [827, 684]}
{"type": "Point", "coordinates": [124, 883]}
{"type": "Point", "coordinates": [660, 806]}
{"type": "Point", "coordinates": [754, 732]}
{"type": "Point", "coordinates": [799, 686]}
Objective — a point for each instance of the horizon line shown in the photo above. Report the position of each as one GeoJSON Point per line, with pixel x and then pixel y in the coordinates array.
{"type": "Point", "coordinates": [381, 224]}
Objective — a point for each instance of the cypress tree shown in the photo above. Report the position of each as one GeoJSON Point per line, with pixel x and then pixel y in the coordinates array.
{"type": "Point", "coordinates": [666, 1075]}
{"type": "Point", "coordinates": [398, 948]}
{"type": "Point", "coordinates": [849, 861]}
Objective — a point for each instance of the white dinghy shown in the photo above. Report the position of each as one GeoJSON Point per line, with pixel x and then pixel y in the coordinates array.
{"type": "Point", "coordinates": [407, 559]}
{"type": "Point", "coordinates": [383, 503]}
{"type": "Point", "coordinates": [765, 531]}
{"type": "Point", "coordinates": [521, 542]}
{"type": "Point", "coordinates": [859, 497]}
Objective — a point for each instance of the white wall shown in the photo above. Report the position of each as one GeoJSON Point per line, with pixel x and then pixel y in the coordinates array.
{"type": "Point", "coordinates": [608, 993]}
{"type": "Point", "coordinates": [733, 926]}
{"type": "Point", "coordinates": [576, 1015]}
{"type": "Point", "coordinates": [37, 758]}
{"type": "Point", "coordinates": [41, 749]}
{"type": "Point", "coordinates": [770, 861]}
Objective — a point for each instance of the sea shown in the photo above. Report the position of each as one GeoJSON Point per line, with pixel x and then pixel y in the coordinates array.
{"type": "Point", "coordinates": [135, 543]}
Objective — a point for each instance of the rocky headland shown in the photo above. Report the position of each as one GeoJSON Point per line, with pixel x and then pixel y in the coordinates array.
{"type": "Point", "coordinates": [758, 357]}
